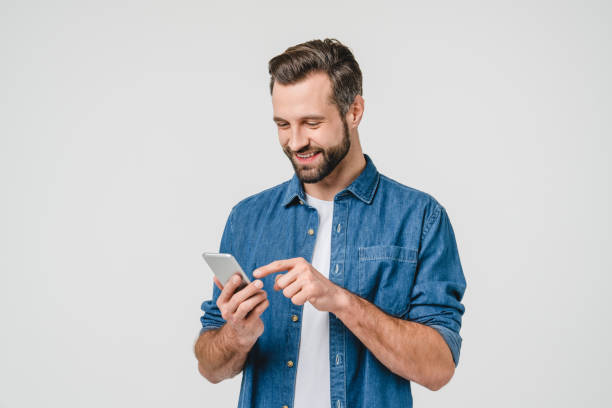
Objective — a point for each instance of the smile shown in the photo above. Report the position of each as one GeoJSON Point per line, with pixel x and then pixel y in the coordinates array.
{"type": "Point", "coordinates": [305, 158]}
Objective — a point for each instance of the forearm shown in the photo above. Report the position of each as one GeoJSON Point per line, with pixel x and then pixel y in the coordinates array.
{"type": "Point", "coordinates": [219, 355]}
{"type": "Point", "coordinates": [414, 351]}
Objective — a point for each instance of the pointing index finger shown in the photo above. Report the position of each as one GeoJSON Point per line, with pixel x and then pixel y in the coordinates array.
{"type": "Point", "coordinates": [275, 266]}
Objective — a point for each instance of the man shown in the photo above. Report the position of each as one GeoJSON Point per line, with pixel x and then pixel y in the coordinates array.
{"type": "Point", "coordinates": [357, 283]}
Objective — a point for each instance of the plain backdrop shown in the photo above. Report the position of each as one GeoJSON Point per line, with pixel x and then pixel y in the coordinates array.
{"type": "Point", "coordinates": [128, 129]}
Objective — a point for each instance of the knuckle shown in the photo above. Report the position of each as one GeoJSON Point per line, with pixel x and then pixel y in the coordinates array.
{"type": "Point", "coordinates": [242, 308]}
{"type": "Point", "coordinates": [263, 305]}
{"type": "Point", "coordinates": [239, 314]}
{"type": "Point", "coordinates": [223, 310]}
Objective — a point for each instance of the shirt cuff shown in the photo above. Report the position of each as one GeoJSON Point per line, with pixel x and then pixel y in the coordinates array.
{"type": "Point", "coordinates": [209, 327]}
{"type": "Point", "coordinates": [452, 338]}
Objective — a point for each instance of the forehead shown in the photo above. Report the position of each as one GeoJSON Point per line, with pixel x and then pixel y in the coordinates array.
{"type": "Point", "coordinates": [310, 95]}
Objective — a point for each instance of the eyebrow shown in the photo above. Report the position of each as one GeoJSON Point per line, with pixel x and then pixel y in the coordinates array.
{"type": "Point", "coordinates": [306, 117]}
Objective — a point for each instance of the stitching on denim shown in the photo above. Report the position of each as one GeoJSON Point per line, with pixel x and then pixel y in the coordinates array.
{"type": "Point", "coordinates": [365, 258]}
{"type": "Point", "coordinates": [432, 218]}
{"type": "Point", "coordinates": [368, 194]}
{"type": "Point", "coordinates": [410, 257]}
{"type": "Point", "coordinates": [386, 258]}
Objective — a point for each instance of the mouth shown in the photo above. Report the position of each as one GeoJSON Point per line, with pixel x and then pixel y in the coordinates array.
{"type": "Point", "coordinates": [306, 158]}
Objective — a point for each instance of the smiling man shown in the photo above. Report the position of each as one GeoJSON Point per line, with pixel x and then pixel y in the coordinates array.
{"type": "Point", "coordinates": [356, 279]}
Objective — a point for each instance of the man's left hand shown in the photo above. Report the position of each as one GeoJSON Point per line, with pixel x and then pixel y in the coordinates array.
{"type": "Point", "coordinates": [303, 283]}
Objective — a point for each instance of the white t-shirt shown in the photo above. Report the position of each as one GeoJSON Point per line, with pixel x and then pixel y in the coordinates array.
{"type": "Point", "coordinates": [312, 377]}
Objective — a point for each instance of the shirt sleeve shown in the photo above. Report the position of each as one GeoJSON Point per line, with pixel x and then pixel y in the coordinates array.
{"type": "Point", "coordinates": [212, 315]}
{"type": "Point", "coordinates": [439, 285]}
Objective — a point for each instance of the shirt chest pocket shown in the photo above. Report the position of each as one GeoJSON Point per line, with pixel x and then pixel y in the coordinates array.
{"type": "Point", "coordinates": [386, 275]}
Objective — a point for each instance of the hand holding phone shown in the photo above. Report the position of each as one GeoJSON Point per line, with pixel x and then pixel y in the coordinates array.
{"type": "Point", "coordinates": [241, 301]}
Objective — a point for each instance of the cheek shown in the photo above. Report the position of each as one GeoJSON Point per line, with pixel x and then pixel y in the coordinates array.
{"type": "Point", "coordinates": [283, 139]}
{"type": "Point", "coordinates": [327, 137]}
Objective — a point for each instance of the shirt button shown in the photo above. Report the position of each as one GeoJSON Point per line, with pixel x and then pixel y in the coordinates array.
{"type": "Point", "coordinates": [338, 228]}
{"type": "Point", "coordinates": [294, 318]}
{"type": "Point", "coordinates": [301, 203]}
{"type": "Point", "coordinates": [310, 231]}
{"type": "Point", "coordinates": [289, 363]}
{"type": "Point", "coordinates": [336, 269]}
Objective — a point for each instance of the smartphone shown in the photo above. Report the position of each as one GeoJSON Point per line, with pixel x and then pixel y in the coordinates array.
{"type": "Point", "coordinates": [224, 266]}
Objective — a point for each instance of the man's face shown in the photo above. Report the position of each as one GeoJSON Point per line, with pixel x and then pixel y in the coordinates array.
{"type": "Point", "coordinates": [310, 129]}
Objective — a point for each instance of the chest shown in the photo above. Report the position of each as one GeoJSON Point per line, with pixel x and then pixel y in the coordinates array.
{"type": "Point", "coordinates": [373, 250]}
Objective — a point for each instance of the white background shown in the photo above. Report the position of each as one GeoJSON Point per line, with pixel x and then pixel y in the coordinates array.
{"type": "Point", "coordinates": [128, 129]}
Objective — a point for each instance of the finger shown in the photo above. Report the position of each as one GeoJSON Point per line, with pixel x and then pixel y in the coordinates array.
{"type": "Point", "coordinates": [243, 294]}
{"type": "Point", "coordinates": [218, 283]}
{"type": "Point", "coordinates": [300, 298]}
{"type": "Point", "coordinates": [230, 288]}
{"type": "Point", "coordinates": [292, 289]}
{"type": "Point", "coordinates": [257, 311]}
{"type": "Point", "coordinates": [283, 280]}
{"type": "Point", "coordinates": [245, 307]}
{"type": "Point", "coordinates": [276, 266]}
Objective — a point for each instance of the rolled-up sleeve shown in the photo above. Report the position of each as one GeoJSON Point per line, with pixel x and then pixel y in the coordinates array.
{"type": "Point", "coordinates": [439, 285]}
{"type": "Point", "coordinates": [212, 315]}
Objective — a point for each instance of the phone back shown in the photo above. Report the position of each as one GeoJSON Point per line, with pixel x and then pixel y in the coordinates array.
{"type": "Point", "coordinates": [224, 266]}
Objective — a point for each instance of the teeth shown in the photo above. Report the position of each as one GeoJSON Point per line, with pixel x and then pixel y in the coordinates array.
{"type": "Point", "coordinates": [305, 156]}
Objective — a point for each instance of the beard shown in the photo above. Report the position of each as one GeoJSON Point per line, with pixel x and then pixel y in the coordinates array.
{"type": "Point", "coordinates": [330, 158]}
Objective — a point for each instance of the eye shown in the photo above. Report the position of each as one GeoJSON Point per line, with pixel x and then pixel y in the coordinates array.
{"type": "Point", "coordinates": [313, 123]}
{"type": "Point", "coordinates": [282, 125]}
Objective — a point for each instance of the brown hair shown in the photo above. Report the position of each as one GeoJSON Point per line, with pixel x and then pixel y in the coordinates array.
{"type": "Point", "coordinates": [329, 56]}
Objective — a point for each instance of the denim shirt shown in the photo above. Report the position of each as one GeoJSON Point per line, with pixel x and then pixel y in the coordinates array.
{"type": "Point", "coordinates": [391, 245]}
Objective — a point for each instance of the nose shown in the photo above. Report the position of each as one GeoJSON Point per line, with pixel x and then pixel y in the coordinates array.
{"type": "Point", "coordinates": [297, 139]}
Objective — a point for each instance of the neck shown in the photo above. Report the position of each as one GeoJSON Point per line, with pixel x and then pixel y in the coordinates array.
{"type": "Point", "coordinates": [343, 175]}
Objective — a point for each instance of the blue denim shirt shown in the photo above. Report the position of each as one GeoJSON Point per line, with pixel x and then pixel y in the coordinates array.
{"type": "Point", "coordinates": [391, 244]}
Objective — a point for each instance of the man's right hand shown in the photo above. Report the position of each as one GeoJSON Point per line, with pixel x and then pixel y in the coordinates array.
{"type": "Point", "coordinates": [242, 310]}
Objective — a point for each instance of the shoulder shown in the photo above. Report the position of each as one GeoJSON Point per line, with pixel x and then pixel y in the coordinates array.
{"type": "Point", "coordinates": [419, 205]}
{"type": "Point", "coordinates": [261, 201]}
{"type": "Point", "coordinates": [398, 192]}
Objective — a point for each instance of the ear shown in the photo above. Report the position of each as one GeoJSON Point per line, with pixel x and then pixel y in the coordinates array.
{"type": "Point", "coordinates": [355, 112]}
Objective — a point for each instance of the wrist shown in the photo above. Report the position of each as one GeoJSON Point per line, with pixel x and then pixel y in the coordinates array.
{"type": "Point", "coordinates": [344, 301]}
{"type": "Point", "coordinates": [235, 341]}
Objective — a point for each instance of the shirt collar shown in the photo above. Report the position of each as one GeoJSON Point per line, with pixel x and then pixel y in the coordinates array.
{"type": "Point", "coordinates": [363, 187]}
